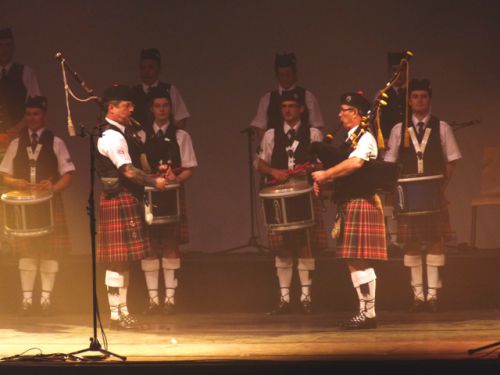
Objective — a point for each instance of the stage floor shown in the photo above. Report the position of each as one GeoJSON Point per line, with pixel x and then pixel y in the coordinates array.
{"type": "Point", "coordinates": [215, 337]}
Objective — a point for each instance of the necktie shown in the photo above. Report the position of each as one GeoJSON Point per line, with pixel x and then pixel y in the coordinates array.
{"type": "Point", "coordinates": [420, 131]}
{"type": "Point", "coordinates": [291, 135]}
{"type": "Point", "coordinates": [160, 134]}
{"type": "Point", "coordinates": [4, 72]}
{"type": "Point", "coordinates": [34, 140]}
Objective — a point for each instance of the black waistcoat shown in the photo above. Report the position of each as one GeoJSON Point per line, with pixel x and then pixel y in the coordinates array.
{"type": "Point", "coordinates": [142, 103]}
{"type": "Point", "coordinates": [279, 158]}
{"type": "Point", "coordinates": [274, 118]}
{"type": "Point", "coordinates": [393, 113]}
{"type": "Point", "coordinates": [12, 97]}
{"type": "Point", "coordinates": [46, 165]}
{"type": "Point", "coordinates": [106, 168]}
{"type": "Point", "coordinates": [163, 148]}
{"type": "Point", "coordinates": [433, 157]}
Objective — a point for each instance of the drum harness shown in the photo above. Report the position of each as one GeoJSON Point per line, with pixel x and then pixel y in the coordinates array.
{"type": "Point", "coordinates": [420, 147]}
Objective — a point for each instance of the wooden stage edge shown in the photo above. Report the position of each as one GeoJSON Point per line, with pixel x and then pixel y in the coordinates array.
{"type": "Point", "coordinates": [221, 343]}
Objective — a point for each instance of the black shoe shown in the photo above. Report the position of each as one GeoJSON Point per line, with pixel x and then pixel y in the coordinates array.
{"type": "Point", "coordinates": [359, 321]}
{"type": "Point", "coordinates": [152, 309]}
{"type": "Point", "coordinates": [46, 309]}
{"type": "Point", "coordinates": [432, 305]}
{"type": "Point", "coordinates": [126, 322]}
{"type": "Point", "coordinates": [27, 309]}
{"type": "Point", "coordinates": [306, 306]}
{"type": "Point", "coordinates": [169, 308]}
{"type": "Point", "coordinates": [282, 309]}
{"type": "Point", "coordinates": [417, 306]}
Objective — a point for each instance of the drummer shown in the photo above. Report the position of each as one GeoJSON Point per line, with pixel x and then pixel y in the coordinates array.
{"type": "Point", "coordinates": [282, 149]}
{"type": "Point", "coordinates": [424, 234]}
{"type": "Point", "coordinates": [39, 162]}
{"type": "Point", "coordinates": [169, 149]}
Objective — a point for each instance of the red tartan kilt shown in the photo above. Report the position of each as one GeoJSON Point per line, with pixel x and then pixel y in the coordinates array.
{"type": "Point", "coordinates": [178, 231]}
{"type": "Point", "coordinates": [121, 229]}
{"type": "Point", "coordinates": [52, 244]}
{"type": "Point", "coordinates": [276, 240]}
{"type": "Point", "coordinates": [362, 230]}
{"type": "Point", "coordinates": [428, 228]}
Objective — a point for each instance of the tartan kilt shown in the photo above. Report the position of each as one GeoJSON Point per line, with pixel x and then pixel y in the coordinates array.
{"type": "Point", "coordinates": [121, 233]}
{"type": "Point", "coordinates": [47, 246]}
{"type": "Point", "coordinates": [362, 234]}
{"type": "Point", "coordinates": [277, 240]}
{"type": "Point", "coordinates": [427, 228]}
{"type": "Point", "coordinates": [178, 231]}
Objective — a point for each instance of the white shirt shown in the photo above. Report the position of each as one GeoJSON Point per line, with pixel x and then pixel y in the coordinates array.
{"type": "Point", "coordinates": [449, 145]}
{"type": "Point", "coordinates": [113, 145]}
{"type": "Point", "coordinates": [267, 143]}
{"type": "Point", "coordinates": [315, 117]}
{"type": "Point", "coordinates": [366, 148]}
{"type": "Point", "coordinates": [188, 157]}
{"type": "Point", "coordinates": [29, 80]}
{"type": "Point", "coordinates": [179, 108]}
{"type": "Point", "coordinates": [64, 163]}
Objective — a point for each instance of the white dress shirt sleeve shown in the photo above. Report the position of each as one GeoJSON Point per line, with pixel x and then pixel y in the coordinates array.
{"type": "Point", "coordinates": [30, 82]}
{"type": "Point", "coordinates": [188, 157]}
{"type": "Point", "coordinates": [113, 145]}
{"type": "Point", "coordinates": [366, 149]}
{"type": "Point", "coordinates": [315, 116]}
{"type": "Point", "coordinates": [316, 135]}
{"type": "Point", "coordinates": [451, 152]}
{"type": "Point", "coordinates": [178, 106]}
{"type": "Point", "coordinates": [260, 119]}
{"type": "Point", "coordinates": [64, 162]}
{"type": "Point", "coordinates": [267, 146]}
{"type": "Point", "coordinates": [392, 147]}
{"type": "Point", "coordinates": [7, 165]}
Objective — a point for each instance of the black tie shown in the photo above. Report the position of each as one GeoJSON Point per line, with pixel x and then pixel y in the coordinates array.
{"type": "Point", "coordinates": [160, 134]}
{"type": "Point", "coordinates": [34, 140]}
{"type": "Point", "coordinates": [291, 135]}
{"type": "Point", "coordinates": [420, 131]}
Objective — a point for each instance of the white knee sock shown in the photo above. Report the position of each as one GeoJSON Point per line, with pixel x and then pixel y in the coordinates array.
{"type": "Point", "coordinates": [170, 265]}
{"type": "Point", "coordinates": [434, 261]}
{"type": "Point", "coordinates": [114, 281]}
{"type": "Point", "coordinates": [284, 271]}
{"type": "Point", "coordinates": [305, 266]}
{"type": "Point", "coordinates": [27, 270]}
{"type": "Point", "coordinates": [48, 272]}
{"type": "Point", "coordinates": [151, 268]}
{"type": "Point", "coordinates": [365, 283]}
{"type": "Point", "coordinates": [415, 264]}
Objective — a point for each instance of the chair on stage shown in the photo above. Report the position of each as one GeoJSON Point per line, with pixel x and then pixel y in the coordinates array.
{"type": "Point", "coordinates": [490, 187]}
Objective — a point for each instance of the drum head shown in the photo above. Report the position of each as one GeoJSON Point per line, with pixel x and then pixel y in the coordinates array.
{"type": "Point", "coordinates": [26, 196]}
{"type": "Point", "coordinates": [170, 186]}
{"type": "Point", "coordinates": [288, 189]}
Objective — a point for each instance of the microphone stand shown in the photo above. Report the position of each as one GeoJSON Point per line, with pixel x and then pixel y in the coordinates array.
{"type": "Point", "coordinates": [253, 241]}
{"type": "Point", "coordinates": [95, 345]}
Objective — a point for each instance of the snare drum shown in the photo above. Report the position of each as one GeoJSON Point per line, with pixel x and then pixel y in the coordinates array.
{"type": "Point", "coordinates": [28, 213]}
{"type": "Point", "coordinates": [162, 206]}
{"type": "Point", "coordinates": [418, 195]}
{"type": "Point", "coordinates": [288, 206]}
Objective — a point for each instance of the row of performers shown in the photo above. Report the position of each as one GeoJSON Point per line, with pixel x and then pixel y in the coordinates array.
{"type": "Point", "coordinates": [123, 236]}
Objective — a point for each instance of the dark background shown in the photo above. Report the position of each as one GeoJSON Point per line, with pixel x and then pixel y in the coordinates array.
{"type": "Point", "coordinates": [220, 55]}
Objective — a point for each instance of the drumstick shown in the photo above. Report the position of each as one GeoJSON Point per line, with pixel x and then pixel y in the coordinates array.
{"type": "Point", "coordinates": [291, 172]}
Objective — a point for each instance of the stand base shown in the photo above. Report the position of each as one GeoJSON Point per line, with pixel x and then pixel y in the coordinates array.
{"type": "Point", "coordinates": [252, 242]}
{"type": "Point", "coordinates": [95, 346]}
